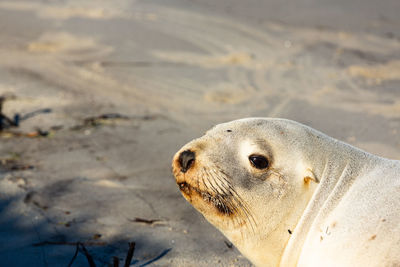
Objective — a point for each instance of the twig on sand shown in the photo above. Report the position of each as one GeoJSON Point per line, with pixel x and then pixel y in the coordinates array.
{"type": "Point", "coordinates": [99, 120]}
{"type": "Point", "coordinates": [13, 165]}
{"type": "Point", "coordinates": [74, 257]}
{"type": "Point", "coordinates": [6, 122]}
{"type": "Point", "coordinates": [88, 256]}
{"type": "Point", "coordinates": [94, 121]}
{"type": "Point", "coordinates": [145, 221]}
{"type": "Point", "coordinates": [129, 255]}
{"type": "Point", "coordinates": [115, 261]}
{"type": "Point", "coordinates": [81, 248]}
{"type": "Point", "coordinates": [34, 113]}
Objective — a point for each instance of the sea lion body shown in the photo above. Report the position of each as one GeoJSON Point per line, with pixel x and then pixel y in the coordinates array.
{"type": "Point", "coordinates": [288, 195]}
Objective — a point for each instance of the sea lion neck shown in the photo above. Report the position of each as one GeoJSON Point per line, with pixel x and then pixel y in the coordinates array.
{"type": "Point", "coordinates": [337, 167]}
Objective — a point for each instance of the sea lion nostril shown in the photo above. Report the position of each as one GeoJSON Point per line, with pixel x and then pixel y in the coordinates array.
{"type": "Point", "coordinates": [186, 160]}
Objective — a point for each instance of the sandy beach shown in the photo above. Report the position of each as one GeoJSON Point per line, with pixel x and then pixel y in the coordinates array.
{"type": "Point", "coordinates": [120, 86]}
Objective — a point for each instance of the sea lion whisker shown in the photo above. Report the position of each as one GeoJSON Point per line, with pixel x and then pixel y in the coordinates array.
{"type": "Point", "coordinates": [228, 207]}
{"type": "Point", "coordinates": [222, 171]}
{"type": "Point", "coordinates": [212, 188]}
{"type": "Point", "coordinates": [228, 188]}
{"type": "Point", "coordinates": [240, 203]}
{"type": "Point", "coordinates": [221, 185]}
{"type": "Point", "coordinates": [215, 185]}
{"type": "Point", "coordinates": [231, 204]}
{"type": "Point", "coordinates": [227, 185]}
{"type": "Point", "coordinates": [245, 211]}
{"type": "Point", "coordinates": [249, 216]}
{"type": "Point", "coordinates": [221, 205]}
{"type": "Point", "coordinates": [207, 181]}
{"type": "Point", "coordinates": [208, 177]}
{"type": "Point", "coordinates": [243, 205]}
{"type": "Point", "coordinates": [223, 175]}
{"type": "Point", "coordinates": [221, 198]}
{"type": "Point", "coordinates": [202, 174]}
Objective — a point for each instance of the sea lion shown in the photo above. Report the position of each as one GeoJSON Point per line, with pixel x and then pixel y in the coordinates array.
{"type": "Point", "coordinates": [288, 195]}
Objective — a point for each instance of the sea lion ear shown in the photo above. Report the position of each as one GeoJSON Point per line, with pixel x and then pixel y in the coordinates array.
{"type": "Point", "coordinates": [310, 176]}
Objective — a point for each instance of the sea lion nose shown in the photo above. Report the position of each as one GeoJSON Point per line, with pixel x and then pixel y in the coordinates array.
{"type": "Point", "coordinates": [186, 160]}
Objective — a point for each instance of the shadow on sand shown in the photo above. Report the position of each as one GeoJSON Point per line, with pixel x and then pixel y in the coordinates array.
{"type": "Point", "coordinates": [27, 239]}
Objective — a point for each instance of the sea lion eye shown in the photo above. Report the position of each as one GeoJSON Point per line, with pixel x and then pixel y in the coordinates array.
{"type": "Point", "coordinates": [259, 162]}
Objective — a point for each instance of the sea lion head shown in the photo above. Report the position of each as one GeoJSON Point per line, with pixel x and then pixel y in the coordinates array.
{"type": "Point", "coordinates": [251, 180]}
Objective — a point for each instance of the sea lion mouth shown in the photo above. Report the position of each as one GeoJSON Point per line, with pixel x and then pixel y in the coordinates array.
{"type": "Point", "coordinates": [185, 188]}
{"type": "Point", "coordinates": [221, 202]}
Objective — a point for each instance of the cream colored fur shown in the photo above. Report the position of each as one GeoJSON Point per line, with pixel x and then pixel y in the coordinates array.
{"type": "Point", "coordinates": [321, 202]}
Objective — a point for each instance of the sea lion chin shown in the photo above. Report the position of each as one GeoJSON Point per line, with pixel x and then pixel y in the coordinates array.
{"type": "Point", "coordinates": [288, 195]}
